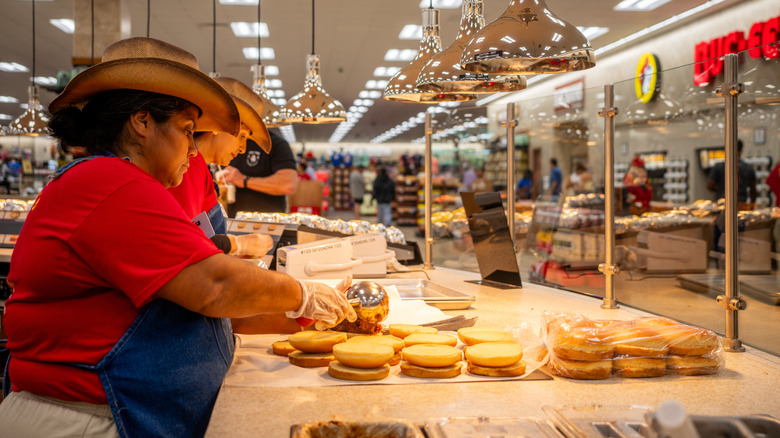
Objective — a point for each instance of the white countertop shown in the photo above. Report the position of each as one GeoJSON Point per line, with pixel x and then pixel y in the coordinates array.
{"type": "Point", "coordinates": [747, 384]}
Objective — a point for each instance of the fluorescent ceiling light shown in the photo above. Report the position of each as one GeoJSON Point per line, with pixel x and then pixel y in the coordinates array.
{"type": "Point", "coordinates": [411, 32]}
{"type": "Point", "coordinates": [386, 72]}
{"type": "Point", "coordinates": [639, 5]}
{"type": "Point", "coordinates": [271, 70]}
{"type": "Point", "coordinates": [441, 4]}
{"type": "Point", "coordinates": [12, 67]}
{"type": "Point", "coordinates": [273, 83]}
{"type": "Point", "coordinates": [45, 80]}
{"type": "Point", "coordinates": [245, 29]}
{"type": "Point", "coordinates": [370, 94]}
{"type": "Point", "coordinates": [279, 101]}
{"type": "Point", "coordinates": [265, 53]}
{"type": "Point", "coordinates": [238, 2]}
{"type": "Point", "coordinates": [5, 117]}
{"type": "Point", "coordinates": [275, 93]}
{"type": "Point", "coordinates": [400, 54]}
{"type": "Point", "coordinates": [376, 85]}
{"type": "Point", "coordinates": [593, 32]}
{"type": "Point", "coordinates": [64, 24]}
{"type": "Point", "coordinates": [8, 99]}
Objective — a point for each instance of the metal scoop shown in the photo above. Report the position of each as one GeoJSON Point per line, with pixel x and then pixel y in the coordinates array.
{"type": "Point", "coordinates": [370, 300]}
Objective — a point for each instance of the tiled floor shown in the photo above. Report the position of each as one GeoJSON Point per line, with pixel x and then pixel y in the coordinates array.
{"type": "Point", "coordinates": [759, 324]}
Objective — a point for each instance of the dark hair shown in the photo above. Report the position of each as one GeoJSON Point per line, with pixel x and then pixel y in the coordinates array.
{"type": "Point", "coordinates": [99, 126]}
{"type": "Point", "coordinates": [739, 145]}
{"type": "Point", "coordinates": [554, 161]}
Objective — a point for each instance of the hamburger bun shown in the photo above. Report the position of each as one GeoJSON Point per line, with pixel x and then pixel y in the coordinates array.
{"type": "Point", "coordinates": [395, 342]}
{"type": "Point", "coordinates": [363, 354]}
{"type": "Point", "coordinates": [639, 341]}
{"type": "Point", "coordinates": [494, 354]}
{"type": "Point", "coordinates": [404, 330]}
{"type": "Point", "coordinates": [431, 355]}
{"type": "Point", "coordinates": [581, 343]}
{"type": "Point", "coordinates": [396, 359]}
{"type": "Point", "coordinates": [692, 365]}
{"type": "Point", "coordinates": [447, 372]}
{"type": "Point", "coordinates": [310, 360]}
{"type": "Point", "coordinates": [282, 348]}
{"type": "Point", "coordinates": [430, 338]}
{"type": "Point", "coordinates": [517, 369]}
{"type": "Point", "coordinates": [477, 335]}
{"type": "Point", "coordinates": [311, 341]}
{"type": "Point", "coordinates": [639, 366]}
{"type": "Point", "coordinates": [344, 372]}
{"type": "Point", "coordinates": [691, 341]}
{"type": "Point", "coordinates": [584, 370]}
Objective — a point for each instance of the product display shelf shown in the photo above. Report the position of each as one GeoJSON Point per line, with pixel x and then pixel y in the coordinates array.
{"type": "Point", "coordinates": [676, 187]}
{"type": "Point", "coordinates": [762, 164]}
{"type": "Point", "coordinates": [342, 199]}
{"type": "Point", "coordinates": [406, 199]}
{"type": "Point", "coordinates": [495, 166]}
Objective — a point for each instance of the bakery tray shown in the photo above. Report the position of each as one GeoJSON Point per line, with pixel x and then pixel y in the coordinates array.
{"type": "Point", "coordinates": [493, 427]}
{"type": "Point", "coordinates": [372, 429]}
{"type": "Point", "coordinates": [432, 293]}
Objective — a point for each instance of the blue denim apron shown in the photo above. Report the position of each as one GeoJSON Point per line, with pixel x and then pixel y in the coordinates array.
{"type": "Point", "coordinates": [216, 216]}
{"type": "Point", "coordinates": [163, 376]}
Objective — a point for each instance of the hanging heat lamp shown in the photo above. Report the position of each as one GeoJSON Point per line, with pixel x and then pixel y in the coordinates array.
{"type": "Point", "coordinates": [33, 121]}
{"type": "Point", "coordinates": [528, 39]}
{"type": "Point", "coordinates": [271, 114]}
{"type": "Point", "coordinates": [313, 105]}
{"type": "Point", "coordinates": [444, 74]}
{"type": "Point", "coordinates": [402, 87]}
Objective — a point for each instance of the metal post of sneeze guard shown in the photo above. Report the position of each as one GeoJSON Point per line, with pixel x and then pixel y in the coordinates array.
{"type": "Point", "coordinates": [731, 302]}
{"type": "Point", "coordinates": [492, 243]}
{"type": "Point", "coordinates": [510, 170]}
{"type": "Point", "coordinates": [608, 268]}
{"type": "Point", "coordinates": [428, 193]}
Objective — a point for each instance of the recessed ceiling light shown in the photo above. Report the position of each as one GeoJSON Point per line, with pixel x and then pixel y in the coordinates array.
{"type": "Point", "coordinates": [12, 67]}
{"type": "Point", "coordinates": [273, 83]}
{"type": "Point", "coordinates": [411, 32]}
{"type": "Point", "coordinates": [246, 29]}
{"type": "Point", "coordinates": [8, 99]}
{"type": "Point", "coordinates": [279, 101]}
{"type": "Point", "coordinates": [64, 24]}
{"type": "Point", "coordinates": [370, 94]}
{"type": "Point", "coordinates": [639, 5]}
{"type": "Point", "coordinates": [265, 53]}
{"type": "Point", "coordinates": [271, 70]}
{"type": "Point", "coordinates": [45, 80]}
{"type": "Point", "coordinates": [593, 32]}
{"type": "Point", "coordinates": [376, 85]}
{"type": "Point", "coordinates": [5, 117]}
{"type": "Point", "coordinates": [386, 72]}
{"type": "Point", "coordinates": [400, 54]}
{"type": "Point", "coordinates": [441, 4]}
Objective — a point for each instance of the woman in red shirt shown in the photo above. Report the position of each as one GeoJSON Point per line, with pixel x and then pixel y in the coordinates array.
{"type": "Point", "coordinates": [117, 324]}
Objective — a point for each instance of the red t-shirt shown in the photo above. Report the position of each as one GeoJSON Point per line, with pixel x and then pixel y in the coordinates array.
{"type": "Point", "coordinates": [773, 181]}
{"type": "Point", "coordinates": [196, 192]}
{"type": "Point", "coordinates": [96, 246]}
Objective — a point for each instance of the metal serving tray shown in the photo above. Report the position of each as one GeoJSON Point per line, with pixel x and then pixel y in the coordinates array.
{"type": "Point", "coordinates": [432, 293]}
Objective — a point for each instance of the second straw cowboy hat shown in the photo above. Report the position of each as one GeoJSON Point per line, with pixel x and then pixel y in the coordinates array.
{"type": "Point", "coordinates": [250, 106]}
{"type": "Point", "coordinates": [147, 64]}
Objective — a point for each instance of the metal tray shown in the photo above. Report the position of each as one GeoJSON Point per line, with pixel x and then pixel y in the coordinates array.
{"type": "Point", "coordinates": [374, 429]}
{"type": "Point", "coordinates": [432, 293]}
{"type": "Point", "coordinates": [471, 427]}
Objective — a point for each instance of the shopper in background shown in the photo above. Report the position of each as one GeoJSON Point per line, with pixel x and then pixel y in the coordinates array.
{"type": "Point", "coordinates": [384, 194]}
{"type": "Point", "coordinates": [556, 180]}
{"type": "Point", "coordinates": [125, 331]}
{"type": "Point", "coordinates": [525, 185]}
{"type": "Point", "coordinates": [637, 184]}
{"type": "Point", "coordinates": [469, 175]}
{"type": "Point", "coordinates": [302, 174]}
{"type": "Point", "coordinates": [746, 181]}
{"type": "Point", "coordinates": [480, 183]}
{"type": "Point", "coordinates": [773, 181]}
{"type": "Point", "coordinates": [263, 180]}
{"type": "Point", "coordinates": [197, 193]}
{"type": "Point", "coordinates": [580, 181]}
{"type": "Point", "coordinates": [357, 188]}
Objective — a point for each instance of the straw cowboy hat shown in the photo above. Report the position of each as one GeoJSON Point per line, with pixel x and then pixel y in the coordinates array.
{"type": "Point", "coordinates": [250, 106]}
{"type": "Point", "coordinates": [152, 65]}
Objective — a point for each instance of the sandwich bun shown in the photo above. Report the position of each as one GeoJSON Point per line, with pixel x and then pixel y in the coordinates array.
{"type": "Point", "coordinates": [310, 360]}
{"type": "Point", "coordinates": [344, 372]}
{"type": "Point", "coordinates": [478, 335]}
{"type": "Point", "coordinates": [404, 330]}
{"type": "Point", "coordinates": [494, 354]}
{"type": "Point", "coordinates": [692, 365]}
{"type": "Point", "coordinates": [517, 369]}
{"type": "Point", "coordinates": [639, 366]}
{"type": "Point", "coordinates": [431, 355]}
{"type": "Point", "coordinates": [430, 338]}
{"type": "Point", "coordinates": [393, 341]}
{"type": "Point", "coordinates": [447, 372]}
{"type": "Point", "coordinates": [311, 341]}
{"type": "Point", "coordinates": [585, 370]}
{"type": "Point", "coordinates": [363, 354]}
{"type": "Point", "coordinates": [282, 348]}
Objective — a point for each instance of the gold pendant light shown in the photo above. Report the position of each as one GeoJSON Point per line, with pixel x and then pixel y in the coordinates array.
{"type": "Point", "coordinates": [33, 121]}
{"type": "Point", "coordinates": [313, 105]}
{"type": "Point", "coordinates": [271, 114]}
{"type": "Point", "coordinates": [444, 74]}
{"type": "Point", "coordinates": [402, 87]}
{"type": "Point", "coordinates": [528, 39]}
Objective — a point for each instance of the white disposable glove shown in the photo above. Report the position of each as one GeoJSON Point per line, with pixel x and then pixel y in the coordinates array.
{"type": "Point", "coordinates": [325, 305]}
{"type": "Point", "coordinates": [252, 245]}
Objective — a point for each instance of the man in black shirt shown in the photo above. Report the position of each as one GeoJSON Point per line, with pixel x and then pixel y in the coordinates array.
{"type": "Point", "coordinates": [262, 180]}
{"type": "Point", "coordinates": [746, 181]}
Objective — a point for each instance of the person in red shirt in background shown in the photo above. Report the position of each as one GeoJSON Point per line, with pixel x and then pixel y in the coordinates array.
{"type": "Point", "coordinates": [197, 193]}
{"type": "Point", "coordinates": [638, 185]}
{"type": "Point", "coordinates": [125, 331]}
{"type": "Point", "coordinates": [773, 181]}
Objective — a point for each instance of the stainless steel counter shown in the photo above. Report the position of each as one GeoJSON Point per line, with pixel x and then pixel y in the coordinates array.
{"type": "Point", "coordinates": [745, 386]}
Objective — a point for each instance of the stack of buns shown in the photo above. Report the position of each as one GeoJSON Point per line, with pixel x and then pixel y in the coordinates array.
{"type": "Point", "coordinates": [361, 361]}
{"type": "Point", "coordinates": [427, 353]}
{"type": "Point", "coordinates": [395, 342]}
{"type": "Point", "coordinates": [314, 348]}
{"type": "Point", "coordinates": [581, 348]}
{"type": "Point", "coordinates": [491, 352]}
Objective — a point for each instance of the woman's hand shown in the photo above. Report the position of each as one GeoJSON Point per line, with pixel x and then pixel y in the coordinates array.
{"type": "Point", "coordinates": [325, 305]}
